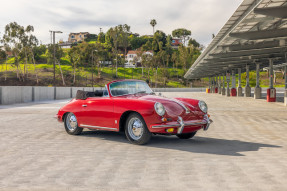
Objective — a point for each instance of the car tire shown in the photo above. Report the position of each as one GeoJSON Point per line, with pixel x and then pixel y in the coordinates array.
{"type": "Point", "coordinates": [186, 135]}
{"type": "Point", "coordinates": [136, 130]}
{"type": "Point", "coordinates": [71, 124]}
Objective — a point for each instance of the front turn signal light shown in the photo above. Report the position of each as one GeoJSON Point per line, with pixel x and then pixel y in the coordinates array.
{"type": "Point", "coordinates": [170, 130]}
{"type": "Point", "coordinates": [164, 119]}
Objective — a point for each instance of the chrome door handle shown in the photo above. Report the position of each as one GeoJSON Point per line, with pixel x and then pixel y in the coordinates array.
{"type": "Point", "coordinates": [84, 105]}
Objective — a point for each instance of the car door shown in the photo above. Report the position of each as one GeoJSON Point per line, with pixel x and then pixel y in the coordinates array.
{"type": "Point", "coordinates": [98, 112]}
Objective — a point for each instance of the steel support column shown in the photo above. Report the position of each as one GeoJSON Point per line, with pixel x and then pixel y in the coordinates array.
{"type": "Point", "coordinates": [239, 89]}
{"type": "Point", "coordinates": [209, 84]}
{"type": "Point", "coordinates": [271, 92]}
{"type": "Point", "coordinates": [219, 85]}
{"type": "Point", "coordinates": [213, 85]}
{"type": "Point", "coordinates": [247, 86]}
{"type": "Point", "coordinates": [257, 91]}
{"type": "Point", "coordinates": [223, 85]}
{"type": "Point", "coordinates": [227, 80]}
{"type": "Point", "coordinates": [233, 82]}
{"type": "Point", "coordinates": [216, 85]}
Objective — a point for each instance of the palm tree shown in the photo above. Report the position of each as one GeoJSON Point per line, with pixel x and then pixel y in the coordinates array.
{"type": "Point", "coordinates": [153, 23]}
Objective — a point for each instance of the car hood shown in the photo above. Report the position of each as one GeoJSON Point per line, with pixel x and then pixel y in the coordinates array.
{"type": "Point", "coordinates": [172, 106]}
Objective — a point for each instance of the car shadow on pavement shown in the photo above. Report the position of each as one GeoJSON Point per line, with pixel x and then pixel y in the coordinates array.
{"type": "Point", "coordinates": [198, 144]}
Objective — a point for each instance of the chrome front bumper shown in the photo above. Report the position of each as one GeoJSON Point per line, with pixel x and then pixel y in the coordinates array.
{"type": "Point", "coordinates": [206, 121]}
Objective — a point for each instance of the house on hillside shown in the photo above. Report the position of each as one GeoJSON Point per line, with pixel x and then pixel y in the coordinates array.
{"type": "Point", "coordinates": [175, 42]}
{"type": "Point", "coordinates": [132, 57]}
{"type": "Point", "coordinates": [77, 37]}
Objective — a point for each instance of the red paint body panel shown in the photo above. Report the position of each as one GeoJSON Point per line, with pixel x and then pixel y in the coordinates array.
{"type": "Point", "coordinates": [216, 90]}
{"type": "Point", "coordinates": [99, 112]}
{"type": "Point", "coordinates": [107, 111]}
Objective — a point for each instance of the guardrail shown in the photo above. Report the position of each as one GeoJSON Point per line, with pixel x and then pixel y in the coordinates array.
{"type": "Point", "coordinates": [23, 94]}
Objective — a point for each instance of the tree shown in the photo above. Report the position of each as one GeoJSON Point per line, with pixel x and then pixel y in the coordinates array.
{"type": "Point", "coordinates": [194, 43]}
{"type": "Point", "coordinates": [102, 37]}
{"type": "Point", "coordinates": [7, 49]}
{"type": "Point", "coordinates": [159, 41]}
{"type": "Point", "coordinates": [2, 54]}
{"type": "Point", "coordinates": [38, 52]}
{"type": "Point", "coordinates": [124, 37]}
{"type": "Point", "coordinates": [146, 61]}
{"type": "Point", "coordinates": [75, 57]}
{"type": "Point", "coordinates": [114, 39]}
{"type": "Point", "coordinates": [182, 33]}
{"type": "Point", "coordinates": [185, 56]}
{"type": "Point", "coordinates": [137, 42]}
{"type": "Point", "coordinates": [153, 23]}
{"type": "Point", "coordinates": [147, 46]}
{"type": "Point", "coordinates": [2, 57]}
{"type": "Point", "coordinates": [175, 60]}
{"type": "Point", "coordinates": [12, 40]}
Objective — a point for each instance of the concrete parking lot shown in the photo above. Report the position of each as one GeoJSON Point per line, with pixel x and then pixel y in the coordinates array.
{"type": "Point", "coordinates": [245, 149]}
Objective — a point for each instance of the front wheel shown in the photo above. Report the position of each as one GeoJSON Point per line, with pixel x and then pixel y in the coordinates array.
{"type": "Point", "coordinates": [136, 130]}
{"type": "Point", "coordinates": [71, 125]}
{"type": "Point", "coordinates": [186, 135]}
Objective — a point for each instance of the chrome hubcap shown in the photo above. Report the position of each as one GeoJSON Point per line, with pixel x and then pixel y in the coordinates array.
{"type": "Point", "coordinates": [71, 122]}
{"type": "Point", "coordinates": [135, 128]}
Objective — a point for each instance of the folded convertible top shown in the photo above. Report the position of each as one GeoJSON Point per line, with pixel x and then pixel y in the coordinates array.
{"type": "Point", "coordinates": [85, 94]}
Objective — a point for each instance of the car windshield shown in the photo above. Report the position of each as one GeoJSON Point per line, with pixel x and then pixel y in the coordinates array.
{"type": "Point", "coordinates": [129, 87]}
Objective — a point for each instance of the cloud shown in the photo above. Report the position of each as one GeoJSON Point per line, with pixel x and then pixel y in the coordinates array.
{"type": "Point", "coordinates": [202, 17]}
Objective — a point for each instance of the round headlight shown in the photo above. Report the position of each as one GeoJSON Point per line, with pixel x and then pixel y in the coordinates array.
{"type": "Point", "coordinates": [159, 108]}
{"type": "Point", "coordinates": [202, 105]}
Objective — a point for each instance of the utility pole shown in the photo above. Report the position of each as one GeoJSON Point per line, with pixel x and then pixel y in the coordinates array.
{"type": "Point", "coordinates": [54, 53]}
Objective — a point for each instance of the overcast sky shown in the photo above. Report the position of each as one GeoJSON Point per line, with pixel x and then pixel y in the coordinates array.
{"type": "Point", "coordinates": [202, 17]}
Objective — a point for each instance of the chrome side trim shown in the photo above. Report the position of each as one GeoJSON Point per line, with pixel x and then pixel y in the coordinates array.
{"type": "Point", "coordinates": [98, 127]}
{"type": "Point", "coordinates": [163, 126]}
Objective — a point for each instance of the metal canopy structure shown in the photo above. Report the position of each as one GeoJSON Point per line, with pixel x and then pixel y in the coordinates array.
{"type": "Point", "coordinates": [255, 33]}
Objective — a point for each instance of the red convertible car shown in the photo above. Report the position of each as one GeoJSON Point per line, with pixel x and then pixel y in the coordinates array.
{"type": "Point", "coordinates": [131, 106]}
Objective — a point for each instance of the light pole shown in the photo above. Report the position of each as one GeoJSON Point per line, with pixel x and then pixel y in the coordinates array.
{"type": "Point", "coordinates": [54, 53]}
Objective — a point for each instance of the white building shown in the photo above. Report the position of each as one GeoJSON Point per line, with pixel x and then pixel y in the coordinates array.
{"type": "Point", "coordinates": [132, 57]}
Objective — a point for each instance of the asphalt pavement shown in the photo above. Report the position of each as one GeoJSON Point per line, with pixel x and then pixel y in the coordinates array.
{"type": "Point", "coordinates": [244, 149]}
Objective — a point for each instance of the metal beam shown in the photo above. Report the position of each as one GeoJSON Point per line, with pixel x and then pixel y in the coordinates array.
{"type": "Point", "coordinates": [264, 34]}
{"type": "Point", "coordinates": [280, 12]}
{"type": "Point", "coordinates": [250, 46]}
{"type": "Point", "coordinates": [258, 19]}
{"type": "Point", "coordinates": [251, 52]}
{"type": "Point", "coordinates": [249, 58]}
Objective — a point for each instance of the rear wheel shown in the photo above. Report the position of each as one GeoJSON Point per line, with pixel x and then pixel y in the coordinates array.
{"type": "Point", "coordinates": [71, 125]}
{"type": "Point", "coordinates": [186, 135]}
{"type": "Point", "coordinates": [136, 130]}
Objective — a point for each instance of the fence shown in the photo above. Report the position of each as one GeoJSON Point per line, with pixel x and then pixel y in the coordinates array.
{"type": "Point", "coordinates": [23, 94]}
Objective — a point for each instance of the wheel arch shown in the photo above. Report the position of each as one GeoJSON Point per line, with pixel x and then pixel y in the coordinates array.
{"type": "Point", "coordinates": [64, 116]}
{"type": "Point", "coordinates": [124, 117]}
